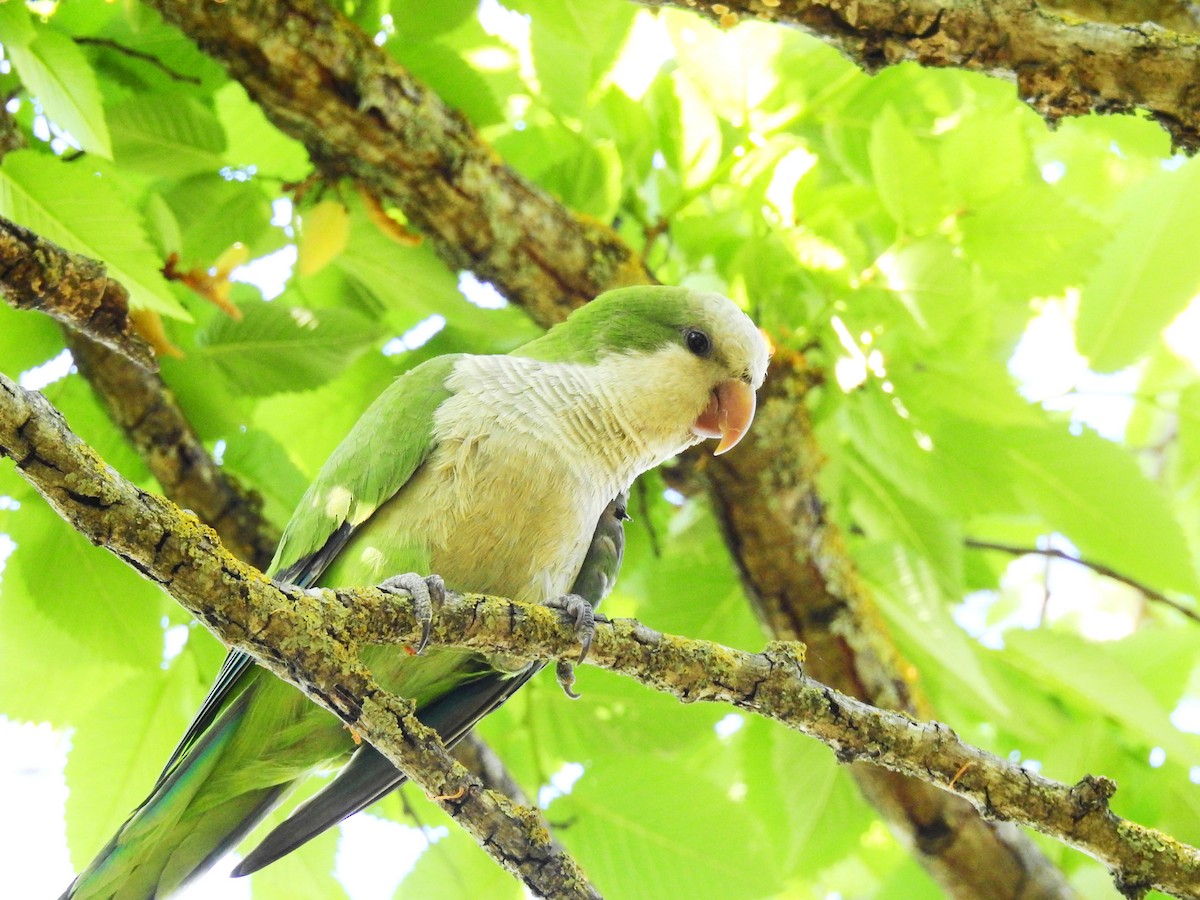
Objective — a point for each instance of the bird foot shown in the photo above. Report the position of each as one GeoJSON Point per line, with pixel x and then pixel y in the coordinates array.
{"type": "Point", "coordinates": [575, 607]}
{"type": "Point", "coordinates": [424, 593]}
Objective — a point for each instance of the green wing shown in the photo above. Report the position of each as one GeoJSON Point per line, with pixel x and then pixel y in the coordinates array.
{"type": "Point", "coordinates": [383, 450]}
{"type": "Point", "coordinates": [378, 456]}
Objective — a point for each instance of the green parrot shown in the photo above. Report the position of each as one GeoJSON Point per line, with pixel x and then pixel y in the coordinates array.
{"type": "Point", "coordinates": [499, 474]}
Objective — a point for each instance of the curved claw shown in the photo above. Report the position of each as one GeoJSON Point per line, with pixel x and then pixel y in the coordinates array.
{"type": "Point", "coordinates": [564, 671]}
{"type": "Point", "coordinates": [424, 593]}
{"type": "Point", "coordinates": [585, 619]}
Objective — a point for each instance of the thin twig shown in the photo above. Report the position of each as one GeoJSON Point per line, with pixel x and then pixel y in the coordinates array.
{"type": "Point", "coordinates": [1099, 568]}
{"type": "Point", "coordinates": [110, 44]}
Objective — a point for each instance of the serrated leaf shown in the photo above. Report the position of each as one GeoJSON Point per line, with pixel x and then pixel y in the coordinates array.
{"type": "Point", "coordinates": [277, 347]}
{"type": "Point", "coordinates": [86, 591]}
{"type": "Point", "coordinates": [167, 135]}
{"type": "Point", "coordinates": [54, 70]}
{"type": "Point", "coordinates": [1146, 275]}
{"type": "Point", "coordinates": [1094, 492]}
{"type": "Point", "coordinates": [84, 212]}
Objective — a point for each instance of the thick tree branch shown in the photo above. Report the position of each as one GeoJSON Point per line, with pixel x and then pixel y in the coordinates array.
{"type": "Point", "coordinates": [308, 638]}
{"type": "Point", "coordinates": [38, 274]}
{"type": "Point", "coordinates": [311, 639]}
{"type": "Point", "coordinates": [320, 79]}
{"type": "Point", "coordinates": [143, 407]}
{"type": "Point", "coordinates": [1063, 65]}
{"type": "Point", "coordinates": [361, 114]}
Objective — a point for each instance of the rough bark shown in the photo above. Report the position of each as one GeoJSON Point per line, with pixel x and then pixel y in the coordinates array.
{"type": "Point", "coordinates": [320, 79]}
{"type": "Point", "coordinates": [311, 639]}
{"type": "Point", "coordinates": [38, 274]}
{"type": "Point", "coordinates": [142, 406]}
{"type": "Point", "coordinates": [1063, 65]}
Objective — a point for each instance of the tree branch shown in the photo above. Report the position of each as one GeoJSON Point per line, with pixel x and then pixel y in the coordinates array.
{"type": "Point", "coordinates": [1062, 65]}
{"type": "Point", "coordinates": [360, 114]}
{"type": "Point", "coordinates": [143, 407]}
{"type": "Point", "coordinates": [311, 638]}
{"type": "Point", "coordinates": [1099, 568]}
{"type": "Point", "coordinates": [38, 274]}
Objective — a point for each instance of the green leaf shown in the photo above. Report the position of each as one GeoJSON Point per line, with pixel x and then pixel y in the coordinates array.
{"type": "Point", "coordinates": [263, 463]}
{"type": "Point", "coordinates": [906, 175]}
{"type": "Point", "coordinates": [16, 26]}
{"type": "Point", "coordinates": [1146, 275]}
{"type": "Point", "coordinates": [630, 837]}
{"type": "Point", "coordinates": [84, 211]}
{"type": "Point", "coordinates": [1067, 663]}
{"type": "Point", "coordinates": [1032, 240]}
{"type": "Point", "coordinates": [251, 140]}
{"type": "Point", "coordinates": [883, 512]}
{"type": "Point", "coordinates": [908, 596]}
{"type": "Point", "coordinates": [574, 43]}
{"type": "Point", "coordinates": [280, 347]}
{"type": "Point", "coordinates": [214, 213]}
{"type": "Point", "coordinates": [70, 678]}
{"type": "Point", "coordinates": [27, 339]}
{"type": "Point", "coordinates": [985, 155]}
{"type": "Point", "coordinates": [54, 70]}
{"type": "Point", "coordinates": [453, 78]}
{"type": "Point", "coordinates": [1094, 492]}
{"type": "Point", "coordinates": [455, 867]}
{"type": "Point", "coordinates": [166, 135]}
{"type": "Point", "coordinates": [588, 182]}
{"type": "Point", "coordinates": [423, 21]}
{"type": "Point", "coordinates": [86, 591]}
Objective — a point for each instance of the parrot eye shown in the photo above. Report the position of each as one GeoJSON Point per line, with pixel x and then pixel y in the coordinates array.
{"type": "Point", "coordinates": [698, 342]}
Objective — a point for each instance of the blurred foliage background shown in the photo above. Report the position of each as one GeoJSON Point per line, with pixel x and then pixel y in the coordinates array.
{"type": "Point", "coordinates": [1001, 317]}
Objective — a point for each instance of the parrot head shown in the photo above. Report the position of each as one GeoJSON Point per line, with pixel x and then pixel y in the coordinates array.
{"type": "Point", "coordinates": [703, 356]}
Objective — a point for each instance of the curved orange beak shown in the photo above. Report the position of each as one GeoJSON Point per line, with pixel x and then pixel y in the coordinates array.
{"type": "Point", "coordinates": [728, 415]}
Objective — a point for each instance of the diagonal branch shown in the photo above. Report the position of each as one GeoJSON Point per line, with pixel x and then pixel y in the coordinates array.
{"type": "Point", "coordinates": [250, 612]}
{"type": "Point", "coordinates": [360, 114]}
{"type": "Point", "coordinates": [38, 274]}
{"type": "Point", "coordinates": [311, 638]}
{"type": "Point", "coordinates": [1063, 64]}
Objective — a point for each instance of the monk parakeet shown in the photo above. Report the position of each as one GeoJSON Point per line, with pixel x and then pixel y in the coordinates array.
{"type": "Point", "coordinates": [498, 474]}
